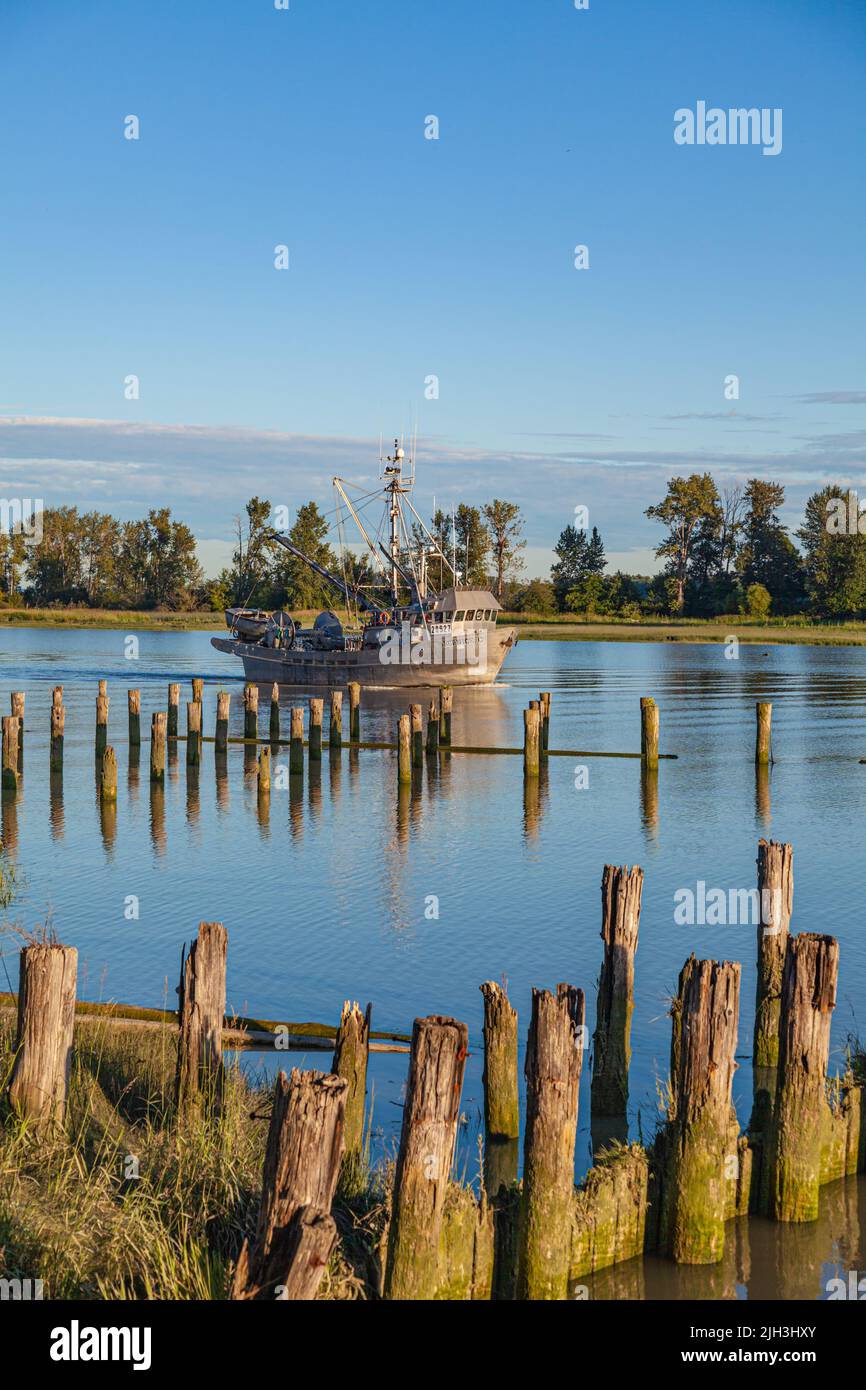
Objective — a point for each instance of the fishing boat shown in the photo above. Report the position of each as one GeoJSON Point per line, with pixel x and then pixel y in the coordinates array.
{"type": "Point", "coordinates": [401, 630]}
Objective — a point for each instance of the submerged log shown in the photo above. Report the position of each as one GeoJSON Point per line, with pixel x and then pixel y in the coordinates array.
{"type": "Point", "coordinates": [351, 1052]}
{"type": "Point", "coordinates": [696, 1143]}
{"type": "Point", "coordinates": [610, 1211]}
{"type": "Point", "coordinates": [775, 895]}
{"type": "Point", "coordinates": [39, 1086]}
{"type": "Point", "coordinates": [801, 1116]}
{"type": "Point", "coordinates": [427, 1142]}
{"type": "Point", "coordinates": [302, 1164]}
{"type": "Point", "coordinates": [554, 1057]}
{"type": "Point", "coordinates": [202, 1006]}
{"type": "Point", "coordinates": [621, 892]}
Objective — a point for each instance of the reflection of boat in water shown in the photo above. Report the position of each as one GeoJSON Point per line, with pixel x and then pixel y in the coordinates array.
{"type": "Point", "coordinates": [402, 631]}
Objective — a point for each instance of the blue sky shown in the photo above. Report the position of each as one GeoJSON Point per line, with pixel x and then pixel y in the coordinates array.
{"type": "Point", "coordinates": [412, 257]}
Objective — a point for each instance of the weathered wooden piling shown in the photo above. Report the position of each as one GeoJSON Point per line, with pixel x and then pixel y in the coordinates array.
{"type": "Point", "coordinates": [432, 730]}
{"type": "Point", "coordinates": [501, 1101]}
{"type": "Point", "coordinates": [296, 747]}
{"type": "Point", "coordinates": [554, 1057]}
{"type": "Point", "coordinates": [198, 689]}
{"type": "Point", "coordinates": [446, 696]}
{"type": "Point", "coordinates": [10, 754]}
{"type": "Point", "coordinates": [173, 711]}
{"type": "Point", "coordinates": [274, 721]}
{"type": "Point", "coordinates": [302, 1164]}
{"type": "Point", "coordinates": [201, 1012]}
{"type": "Point", "coordinates": [621, 892]}
{"type": "Point", "coordinates": [263, 773]}
{"type": "Point", "coordinates": [102, 688]}
{"type": "Point", "coordinates": [335, 731]}
{"type": "Point", "coordinates": [775, 896]}
{"type": "Point", "coordinates": [108, 775]}
{"type": "Point", "coordinates": [222, 719]}
{"type": "Point", "coordinates": [697, 1141]}
{"type": "Point", "coordinates": [133, 706]}
{"type": "Point", "coordinates": [101, 724]}
{"type": "Point", "coordinates": [57, 695]}
{"type": "Point", "coordinates": [158, 724]}
{"type": "Point", "coordinates": [544, 698]}
{"type": "Point", "coordinates": [763, 732]}
{"type": "Point", "coordinates": [417, 725]}
{"type": "Point", "coordinates": [58, 726]}
{"type": "Point", "coordinates": [355, 711]}
{"type": "Point", "coordinates": [351, 1051]}
{"type": "Point", "coordinates": [427, 1142]}
{"type": "Point", "coordinates": [801, 1116]}
{"type": "Point", "coordinates": [404, 749]}
{"type": "Point", "coordinates": [17, 701]}
{"type": "Point", "coordinates": [193, 733]}
{"type": "Point", "coordinates": [649, 731]}
{"type": "Point", "coordinates": [531, 742]}
{"type": "Point", "coordinates": [251, 711]}
{"type": "Point", "coordinates": [317, 709]}
{"type": "Point", "coordinates": [39, 1084]}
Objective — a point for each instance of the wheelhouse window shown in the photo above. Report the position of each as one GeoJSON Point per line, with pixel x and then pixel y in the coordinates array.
{"type": "Point", "coordinates": [458, 616]}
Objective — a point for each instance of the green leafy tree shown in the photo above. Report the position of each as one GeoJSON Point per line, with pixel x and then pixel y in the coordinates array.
{"type": "Point", "coordinates": [473, 546]}
{"type": "Point", "coordinates": [691, 511]}
{"type": "Point", "coordinates": [767, 555]}
{"type": "Point", "coordinates": [758, 601]}
{"type": "Point", "coordinates": [835, 560]}
{"type": "Point", "coordinates": [254, 553]}
{"type": "Point", "coordinates": [296, 585]}
{"type": "Point", "coordinates": [537, 597]}
{"type": "Point", "coordinates": [506, 540]}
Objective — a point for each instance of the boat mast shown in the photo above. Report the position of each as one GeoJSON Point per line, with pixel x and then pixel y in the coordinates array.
{"type": "Point", "coordinates": [395, 487]}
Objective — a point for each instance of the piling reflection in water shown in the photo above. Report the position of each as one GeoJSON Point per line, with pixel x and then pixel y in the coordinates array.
{"type": "Point", "coordinates": [649, 802]}
{"type": "Point", "coordinates": [763, 809]}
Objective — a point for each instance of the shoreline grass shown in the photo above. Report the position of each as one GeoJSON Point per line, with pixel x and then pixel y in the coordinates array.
{"type": "Point", "coordinates": [561, 627]}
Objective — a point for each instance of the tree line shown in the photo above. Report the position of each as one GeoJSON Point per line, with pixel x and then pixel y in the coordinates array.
{"type": "Point", "coordinates": [721, 551]}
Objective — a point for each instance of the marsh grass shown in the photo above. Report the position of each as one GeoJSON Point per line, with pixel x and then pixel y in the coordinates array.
{"type": "Point", "coordinates": [134, 1201]}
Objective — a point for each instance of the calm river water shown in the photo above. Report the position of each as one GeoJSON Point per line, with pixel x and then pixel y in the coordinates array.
{"type": "Point", "coordinates": [343, 893]}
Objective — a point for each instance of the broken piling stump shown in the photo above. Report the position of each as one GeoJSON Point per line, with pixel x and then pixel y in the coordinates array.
{"type": "Point", "coordinates": [432, 730]}
{"type": "Point", "coordinates": [696, 1144]}
{"type": "Point", "coordinates": [274, 721]}
{"type": "Point", "coordinates": [173, 711]}
{"type": "Point", "coordinates": [417, 735]}
{"type": "Point", "coordinates": [10, 755]}
{"type": "Point", "coordinates": [446, 697]}
{"type": "Point", "coordinates": [621, 892]}
{"type": "Point", "coordinates": [649, 731]}
{"type": "Point", "coordinates": [201, 1010]}
{"type": "Point", "coordinates": [251, 711]}
{"type": "Point", "coordinates": [222, 720]}
{"type": "Point", "coordinates": [158, 723]}
{"type": "Point", "coordinates": [775, 896]}
{"type": "Point", "coordinates": [193, 733]}
{"type": "Point", "coordinates": [404, 750]}
{"type": "Point", "coordinates": [554, 1058]}
{"type": "Point", "coordinates": [355, 711]}
{"type": "Point", "coordinates": [351, 1051]}
{"type": "Point", "coordinates": [133, 707]}
{"type": "Point", "coordinates": [335, 731]}
{"type": "Point", "coordinates": [763, 732]}
{"type": "Point", "coordinates": [101, 724]}
{"type": "Point", "coordinates": [39, 1085]}
{"type": "Point", "coordinates": [531, 742]}
{"type": "Point", "coordinates": [296, 746]}
{"type": "Point", "coordinates": [501, 1097]}
{"type": "Point", "coordinates": [198, 689]}
{"type": "Point", "coordinates": [427, 1141]}
{"type": "Point", "coordinates": [58, 725]}
{"type": "Point", "coordinates": [302, 1164]}
{"type": "Point", "coordinates": [800, 1123]}
{"type": "Point", "coordinates": [544, 700]}
{"type": "Point", "coordinates": [317, 710]}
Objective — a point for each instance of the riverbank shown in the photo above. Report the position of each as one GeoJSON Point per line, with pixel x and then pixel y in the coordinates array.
{"type": "Point", "coordinates": [562, 628]}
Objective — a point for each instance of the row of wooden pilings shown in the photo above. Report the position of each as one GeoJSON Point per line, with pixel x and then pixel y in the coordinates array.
{"type": "Point", "coordinates": [535, 1238]}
